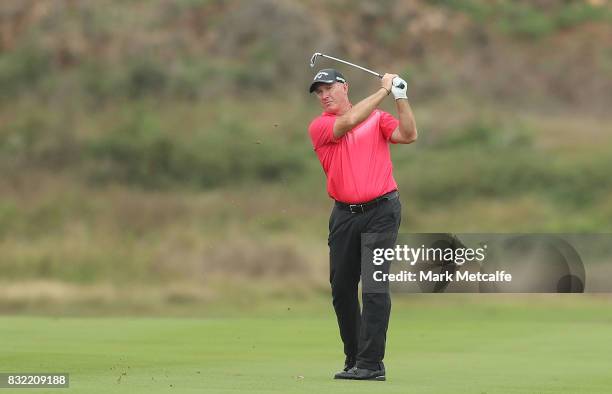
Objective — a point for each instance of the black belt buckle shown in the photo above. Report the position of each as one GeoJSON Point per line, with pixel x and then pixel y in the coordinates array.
{"type": "Point", "coordinates": [351, 206]}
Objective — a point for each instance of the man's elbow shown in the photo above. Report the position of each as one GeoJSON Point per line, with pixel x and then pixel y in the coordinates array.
{"type": "Point", "coordinates": [415, 136]}
{"type": "Point", "coordinates": [410, 137]}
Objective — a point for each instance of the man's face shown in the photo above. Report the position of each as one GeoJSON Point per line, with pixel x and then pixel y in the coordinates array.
{"type": "Point", "coordinates": [332, 96]}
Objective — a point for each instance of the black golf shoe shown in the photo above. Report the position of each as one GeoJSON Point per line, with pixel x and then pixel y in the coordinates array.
{"type": "Point", "coordinates": [361, 374]}
{"type": "Point", "coordinates": [349, 362]}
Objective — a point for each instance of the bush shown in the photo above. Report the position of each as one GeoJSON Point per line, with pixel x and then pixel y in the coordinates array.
{"type": "Point", "coordinates": [528, 19]}
{"type": "Point", "coordinates": [145, 76]}
{"type": "Point", "coordinates": [576, 13]}
{"type": "Point", "coordinates": [99, 81]}
{"type": "Point", "coordinates": [23, 69]}
{"type": "Point", "coordinates": [487, 133]}
{"type": "Point", "coordinates": [36, 140]}
{"type": "Point", "coordinates": [141, 153]}
{"type": "Point", "coordinates": [441, 177]}
{"type": "Point", "coordinates": [525, 21]}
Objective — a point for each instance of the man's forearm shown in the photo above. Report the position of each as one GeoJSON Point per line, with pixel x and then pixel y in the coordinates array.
{"type": "Point", "coordinates": [407, 124]}
{"type": "Point", "coordinates": [359, 112]}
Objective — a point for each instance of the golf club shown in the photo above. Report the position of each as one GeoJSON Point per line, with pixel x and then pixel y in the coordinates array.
{"type": "Point", "coordinates": [313, 59]}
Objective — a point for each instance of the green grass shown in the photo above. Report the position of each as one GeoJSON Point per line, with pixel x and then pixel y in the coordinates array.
{"type": "Point", "coordinates": [435, 345]}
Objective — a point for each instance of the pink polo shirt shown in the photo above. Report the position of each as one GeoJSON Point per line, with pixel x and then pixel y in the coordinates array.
{"type": "Point", "coordinates": [358, 164]}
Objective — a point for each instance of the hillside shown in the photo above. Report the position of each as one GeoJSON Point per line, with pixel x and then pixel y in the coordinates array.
{"type": "Point", "coordinates": [158, 149]}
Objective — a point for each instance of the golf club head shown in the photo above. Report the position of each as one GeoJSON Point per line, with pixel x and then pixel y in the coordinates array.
{"type": "Point", "coordinates": [313, 59]}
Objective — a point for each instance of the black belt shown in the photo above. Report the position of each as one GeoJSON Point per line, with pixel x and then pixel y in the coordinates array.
{"type": "Point", "coordinates": [366, 206]}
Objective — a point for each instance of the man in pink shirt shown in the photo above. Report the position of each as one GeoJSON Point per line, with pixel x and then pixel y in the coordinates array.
{"type": "Point", "coordinates": [352, 144]}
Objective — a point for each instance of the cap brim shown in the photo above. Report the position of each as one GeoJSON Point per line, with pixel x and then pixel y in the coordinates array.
{"type": "Point", "coordinates": [313, 85]}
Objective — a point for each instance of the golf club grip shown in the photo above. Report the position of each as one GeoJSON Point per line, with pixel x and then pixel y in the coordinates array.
{"type": "Point", "coordinates": [401, 85]}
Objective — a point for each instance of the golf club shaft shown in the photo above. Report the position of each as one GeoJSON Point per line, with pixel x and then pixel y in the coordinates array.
{"type": "Point", "coordinates": [351, 64]}
{"type": "Point", "coordinates": [400, 85]}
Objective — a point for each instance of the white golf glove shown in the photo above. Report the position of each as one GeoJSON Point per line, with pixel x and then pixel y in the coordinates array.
{"type": "Point", "coordinates": [399, 93]}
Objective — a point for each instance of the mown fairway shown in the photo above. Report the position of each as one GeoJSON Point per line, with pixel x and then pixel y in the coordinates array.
{"type": "Point", "coordinates": [507, 346]}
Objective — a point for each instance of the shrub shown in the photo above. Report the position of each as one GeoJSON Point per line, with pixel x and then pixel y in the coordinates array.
{"type": "Point", "coordinates": [436, 178]}
{"type": "Point", "coordinates": [488, 133]}
{"type": "Point", "coordinates": [34, 139]}
{"type": "Point", "coordinates": [23, 69]}
{"type": "Point", "coordinates": [141, 153]}
{"type": "Point", "coordinates": [145, 76]}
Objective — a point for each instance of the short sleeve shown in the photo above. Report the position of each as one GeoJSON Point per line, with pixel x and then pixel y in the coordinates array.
{"type": "Point", "coordinates": [387, 124]}
{"type": "Point", "coordinates": [321, 131]}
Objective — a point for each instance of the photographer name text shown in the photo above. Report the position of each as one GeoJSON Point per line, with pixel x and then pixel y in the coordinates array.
{"type": "Point", "coordinates": [429, 276]}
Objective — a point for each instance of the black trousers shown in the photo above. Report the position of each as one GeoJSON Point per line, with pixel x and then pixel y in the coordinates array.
{"type": "Point", "coordinates": [363, 332]}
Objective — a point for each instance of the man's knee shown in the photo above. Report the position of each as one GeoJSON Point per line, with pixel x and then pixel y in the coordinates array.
{"type": "Point", "coordinates": [342, 288]}
{"type": "Point", "coordinates": [380, 301]}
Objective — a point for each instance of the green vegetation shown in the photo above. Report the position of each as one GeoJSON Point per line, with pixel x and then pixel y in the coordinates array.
{"type": "Point", "coordinates": [141, 153]}
{"type": "Point", "coordinates": [141, 193]}
{"type": "Point", "coordinates": [138, 137]}
{"type": "Point", "coordinates": [525, 19]}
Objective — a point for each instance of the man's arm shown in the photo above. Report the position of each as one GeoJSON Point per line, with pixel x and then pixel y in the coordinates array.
{"type": "Point", "coordinates": [360, 111]}
{"type": "Point", "coordinates": [406, 132]}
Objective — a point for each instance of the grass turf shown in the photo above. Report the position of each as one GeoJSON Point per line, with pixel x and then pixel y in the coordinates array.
{"type": "Point", "coordinates": [474, 347]}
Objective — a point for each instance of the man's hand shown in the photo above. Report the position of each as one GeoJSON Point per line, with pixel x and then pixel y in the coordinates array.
{"type": "Point", "coordinates": [399, 93]}
{"type": "Point", "coordinates": [387, 81]}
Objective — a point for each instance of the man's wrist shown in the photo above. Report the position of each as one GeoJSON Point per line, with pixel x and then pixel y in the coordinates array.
{"type": "Point", "coordinates": [386, 90]}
